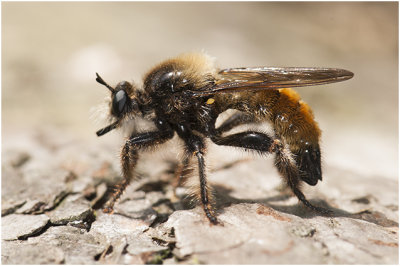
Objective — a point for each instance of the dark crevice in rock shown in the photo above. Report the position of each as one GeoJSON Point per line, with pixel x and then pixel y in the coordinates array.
{"type": "Point", "coordinates": [86, 223]}
{"type": "Point", "coordinates": [161, 218]}
{"type": "Point", "coordinates": [42, 207]}
{"type": "Point", "coordinates": [37, 232]}
{"type": "Point", "coordinates": [103, 254]}
{"type": "Point", "coordinates": [375, 217]}
{"type": "Point", "coordinates": [125, 249]}
{"type": "Point", "coordinates": [164, 209]}
{"type": "Point", "coordinates": [102, 200]}
{"type": "Point", "coordinates": [151, 186]}
{"type": "Point", "coordinates": [12, 209]}
{"type": "Point", "coordinates": [90, 193]}
{"type": "Point", "coordinates": [160, 256]}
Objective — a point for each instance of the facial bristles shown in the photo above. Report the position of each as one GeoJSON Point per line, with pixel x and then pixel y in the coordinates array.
{"type": "Point", "coordinates": [102, 82]}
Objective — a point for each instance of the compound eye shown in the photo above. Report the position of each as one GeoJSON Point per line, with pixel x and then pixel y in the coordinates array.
{"type": "Point", "coordinates": [125, 86]}
{"type": "Point", "coordinates": [119, 102]}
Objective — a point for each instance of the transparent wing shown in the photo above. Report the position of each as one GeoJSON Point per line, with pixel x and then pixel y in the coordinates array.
{"type": "Point", "coordinates": [262, 78]}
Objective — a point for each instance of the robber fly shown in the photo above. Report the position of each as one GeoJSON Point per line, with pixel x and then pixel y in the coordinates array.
{"type": "Point", "coordinates": [186, 94]}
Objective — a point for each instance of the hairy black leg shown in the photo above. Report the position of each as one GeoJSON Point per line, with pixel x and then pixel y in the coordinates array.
{"type": "Point", "coordinates": [249, 140]}
{"type": "Point", "coordinates": [284, 161]}
{"type": "Point", "coordinates": [204, 190]}
{"type": "Point", "coordinates": [195, 146]}
{"type": "Point", "coordinates": [287, 167]}
{"type": "Point", "coordinates": [129, 157]}
{"type": "Point", "coordinates": [308, 160]}
{"type": "Point", "coordinates": [233, 121]}
{"type": "Point", "coordinates": [181, 171]}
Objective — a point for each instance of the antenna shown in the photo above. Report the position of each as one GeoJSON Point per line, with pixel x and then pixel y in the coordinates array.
{"type": "Point", "coordinates": [102, 82]}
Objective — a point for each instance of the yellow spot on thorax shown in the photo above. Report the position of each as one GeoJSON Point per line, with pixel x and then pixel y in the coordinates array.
{"type": "Point", "coordinates": [210, 101]}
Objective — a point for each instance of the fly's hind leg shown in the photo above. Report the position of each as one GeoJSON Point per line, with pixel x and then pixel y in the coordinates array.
{"type": "Point", "coordinates": [287, 167]}
{"type": "Point", "coordinates": [181, 172]}
{"type": "Point", "coordinates": [129, 157]}
{"type": "Point", "coordinates": [233, 121]}
{"type": "Point", "coordinates": [264, 144]}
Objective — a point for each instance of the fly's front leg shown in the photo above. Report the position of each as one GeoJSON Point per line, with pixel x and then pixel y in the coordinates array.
{"type": "Point", "coordinates": [130, 156]}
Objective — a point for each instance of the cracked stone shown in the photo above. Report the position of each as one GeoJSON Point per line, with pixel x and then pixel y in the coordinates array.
{"type": "Point", "coordinates": [32, 207]}
{"type": "Point", "coordinates": [78, 246]}
{"type": "Point", "coordinates": [126, 236]}
{"type": "Point", "coordinates": [266, 239]}
{"type": "Point", "coordinates": [9, 201]}
{"type": "Point", "coordinates": [25, 187]}
{"type": "Point", "coordinates": [89, 192]}
{"type": "Point", "coordinates": [115, 226]}
{"type": "Point", "coordinates": [139, 205]}
{"type": "Point", "coordinates": [30, 253]}
{"type": "Point", "coordinates": [303, 230]}
{"type": "Point", "coordinates": [17, 226]}
{"type": "Point", "coordinates": [142, 243]}
{"type": "Point", "coordinates": [73, 208]}
{"type": "Point", "coordinates": [163, 234]}
{"type": "Point", "coordinates": [349, 241]}
{"type": "Point", "coordinates": [259, 225]}
{"type": "Point", "coordinates": [11, 207]}
{"type": "Point", "coordinates": [126, 230]}
{"type": "Point", "coordinates": [113, 253]}
{"type": "Point", "coordinates": [194, 234]}
{"type": "Point", "coordinates": [100, 191]}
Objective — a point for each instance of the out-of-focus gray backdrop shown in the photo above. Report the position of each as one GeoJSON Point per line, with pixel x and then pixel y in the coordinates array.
{"type": "Point", "coordinates": [51, 51]}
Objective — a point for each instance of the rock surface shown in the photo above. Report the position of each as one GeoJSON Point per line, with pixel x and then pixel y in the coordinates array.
{"type": "Point", "coordinates": [18, 226]}
{"type": "Point", "coordinates": [260, 223]}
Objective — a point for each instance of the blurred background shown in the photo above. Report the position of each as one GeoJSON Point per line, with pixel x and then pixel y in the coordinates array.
{"type": "Point", "coordinates": [51, 51]}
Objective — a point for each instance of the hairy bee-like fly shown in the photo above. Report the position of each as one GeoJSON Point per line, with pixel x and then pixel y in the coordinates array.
{"type": "Point", "coordinates": [186, 94]}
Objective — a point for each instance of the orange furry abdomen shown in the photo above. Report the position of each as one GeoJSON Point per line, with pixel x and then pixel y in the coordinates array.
{"type": "Point", "coordinates": [294, 120]}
